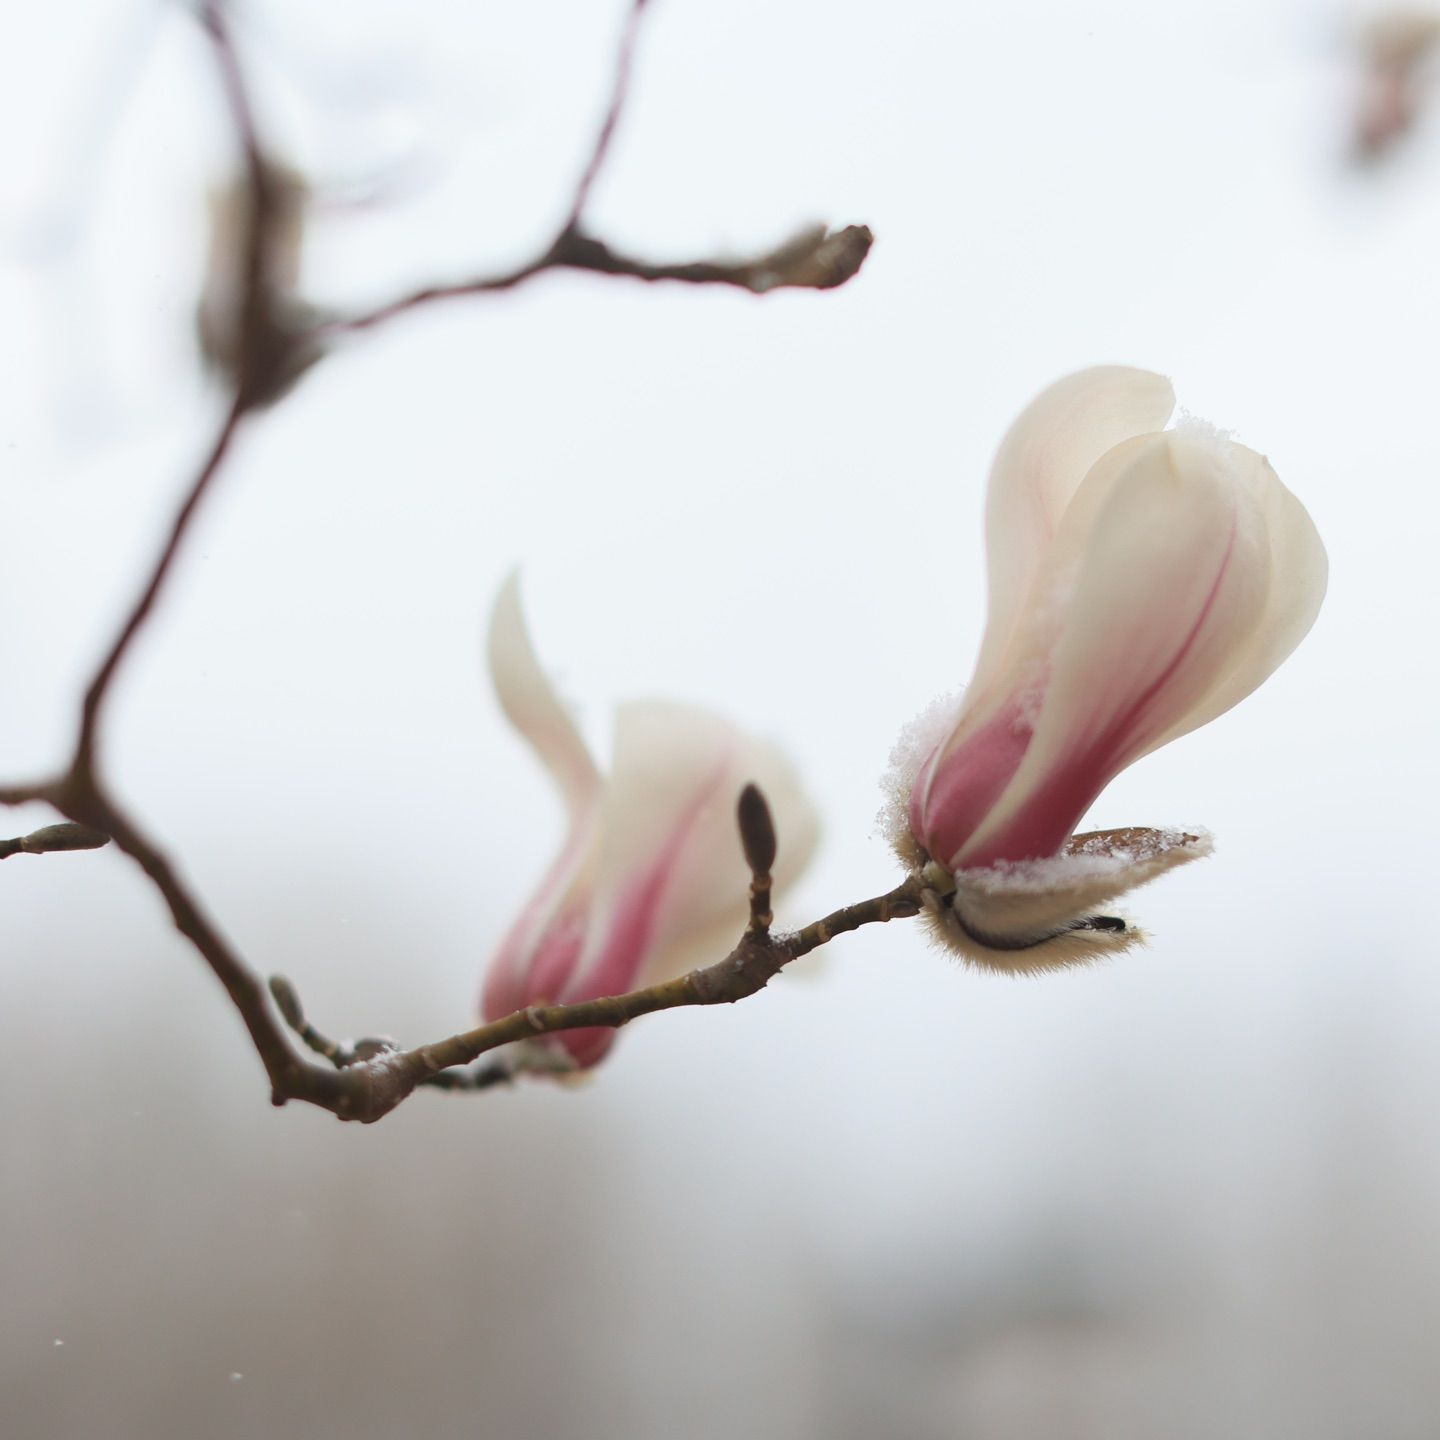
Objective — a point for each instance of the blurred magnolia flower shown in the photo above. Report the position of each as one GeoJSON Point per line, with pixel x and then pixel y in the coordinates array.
{"type": "Point", "coordinates": [1396, 47]}
{"type": "Point", "coordinates": [1141, 582]}
{"type": "Point", "coordinates": [651, 879]}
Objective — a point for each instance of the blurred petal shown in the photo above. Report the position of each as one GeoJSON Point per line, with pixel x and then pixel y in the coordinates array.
{"type": "Point", "coordinates": [536, 958]}
{"type": "Point", "coordinates": [652, 863]}
{"type": "Point", "coordinates": [532, 706]}
{"type": "Point", "coordinates": [670, 870]}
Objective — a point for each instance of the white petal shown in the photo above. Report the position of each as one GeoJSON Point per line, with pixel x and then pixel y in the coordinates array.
{"type": "Point", "coordinates": [532, 706]}
{"type": "Point", "coordinates": [1040, 465]}
{"type": "Point", "coordinates": [1161, 575]}
{"type": "Point", "coordinates": [709, 902]}
{"type": "Point", "coordinates": [1298, 575]}
{"type": "Point", "coordinates": [668, 818]}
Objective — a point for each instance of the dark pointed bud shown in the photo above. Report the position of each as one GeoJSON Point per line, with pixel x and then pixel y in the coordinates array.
{"type": "Point", "coordinates": [287, 1001]}
{"type": "Point", "coordinates": [64, 836]}
{"type": "Point", "coordinates": [757, 830]}
{"type": "Point", "coordinates": [816, 258]}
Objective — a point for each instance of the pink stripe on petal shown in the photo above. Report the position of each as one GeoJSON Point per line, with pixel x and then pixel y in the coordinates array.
{"type": "Point", "coordinates": [627, 947]}
{"type": "Point", "coordinates": [1058, 802]}
{"type": "Point", "coordinates": [964, 785]}
{"type": "Point", "coordinates": [510, 979]}
{"type": "Point", "coordinates": [633, 926]}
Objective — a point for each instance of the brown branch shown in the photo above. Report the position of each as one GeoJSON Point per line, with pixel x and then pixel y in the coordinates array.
{"type": "Point", "coordinates": [815, 258]}
{"type": "Point", "coordinates": [216, 25]}
{"type": "Point", "coordinates": [290, 1077]}
{"type": "Point", "coordinates": [268, 345]}
{"type": "Point", "coordinates": [748, 968]}
{"type": "Point", "coordinates": [99, 687]}
{"type": "Point", "coordinates": [619, 90]}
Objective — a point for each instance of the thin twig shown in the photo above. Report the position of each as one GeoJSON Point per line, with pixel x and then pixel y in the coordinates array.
{"type": "Point", "coordinates": [619, 90]}
{"type": "Point", "coordinates": [140, 612]}
{"type": "Point", "coordinates": [814, 259]}
{"type": "Point", "coordinates": [747, 969]}
{"type": "Point", "coordinates": [290, 1077]}
{"type": "Point", "coordinates": [365, 1080]}
{"type": "Point", "coordinates": [216, 24]}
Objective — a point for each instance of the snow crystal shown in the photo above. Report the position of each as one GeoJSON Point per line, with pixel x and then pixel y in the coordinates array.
{"type": "Point", "coordinates": [1192, 427]}
{"type": "Point", "coordinates": [1088, 858]}
{"type": "Point", "coordinates": [914, 747]}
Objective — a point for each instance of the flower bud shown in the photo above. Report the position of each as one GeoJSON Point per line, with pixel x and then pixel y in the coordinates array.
{"type": "Point", "coordinates": [1141, 582]}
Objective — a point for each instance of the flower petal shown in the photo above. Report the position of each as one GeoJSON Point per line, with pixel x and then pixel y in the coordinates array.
{"type": "Point", "coordinates": [1298, 576]}
{"type": "Point", "coordinates": [544, 943]}
{"type": "Point", "coordinates": [669, 867]}
{"type": "Point", "coordinates": [532, 706]}
{"type": "Point", "coordinates": [1041, 463]}
{"type": "Point", "coordinates": [1161, 576]}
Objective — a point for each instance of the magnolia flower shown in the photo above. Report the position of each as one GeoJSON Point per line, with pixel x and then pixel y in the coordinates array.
{"type": "Point", "coordinates": [1397, 51]}
{"type": "Point", "coordinates": [1142, 581]}
{"type": "Point", "coordinates": [651, 878]}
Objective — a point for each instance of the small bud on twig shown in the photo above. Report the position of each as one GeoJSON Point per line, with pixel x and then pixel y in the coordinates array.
{"type": "Point", "coordinates": [757, 830]}
{"type": "Point", "coordinates": [288, 1002]}
{"type": "Point", "coordinates": [64, 836]}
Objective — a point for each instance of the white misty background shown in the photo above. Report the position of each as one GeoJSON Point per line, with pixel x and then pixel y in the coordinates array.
{"type": "Point", "coordinates": [1191, 1193]}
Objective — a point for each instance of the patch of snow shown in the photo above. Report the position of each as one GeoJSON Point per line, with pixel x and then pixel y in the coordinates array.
{"type": "Point", "coordinates": [915, 745]}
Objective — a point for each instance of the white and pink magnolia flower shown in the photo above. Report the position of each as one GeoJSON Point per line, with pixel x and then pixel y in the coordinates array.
{"type": "Point", "coordinates": [651, 878]}
{"type": "Point", "coordinates": [1141, 582]}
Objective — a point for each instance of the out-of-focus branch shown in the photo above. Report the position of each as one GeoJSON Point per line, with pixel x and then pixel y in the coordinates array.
{"type": "Point", "coordinates": [262, 337]}
{"type": "Point", "coordinates": [619, 93]}
{"type": "Point", "coordinates": [815, 258]}
{"type": "Point", "coordinates": [83, 764]}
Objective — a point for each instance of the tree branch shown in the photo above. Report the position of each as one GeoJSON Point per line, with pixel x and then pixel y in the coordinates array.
{"type": "Point", "coordinates": [747, 969]}
{"type": "Point", "coordinates": [619, 92]}
{"type": "Point", "coordinates": [267, 341]}
{"type": "Point", "coordinates": [815, 258]}
{"type": "Point", "coordinates": [84, 761]}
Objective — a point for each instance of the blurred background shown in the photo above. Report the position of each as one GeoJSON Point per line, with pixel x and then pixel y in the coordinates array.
{"type": "Point", "coordinates": [1190, 1194]}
